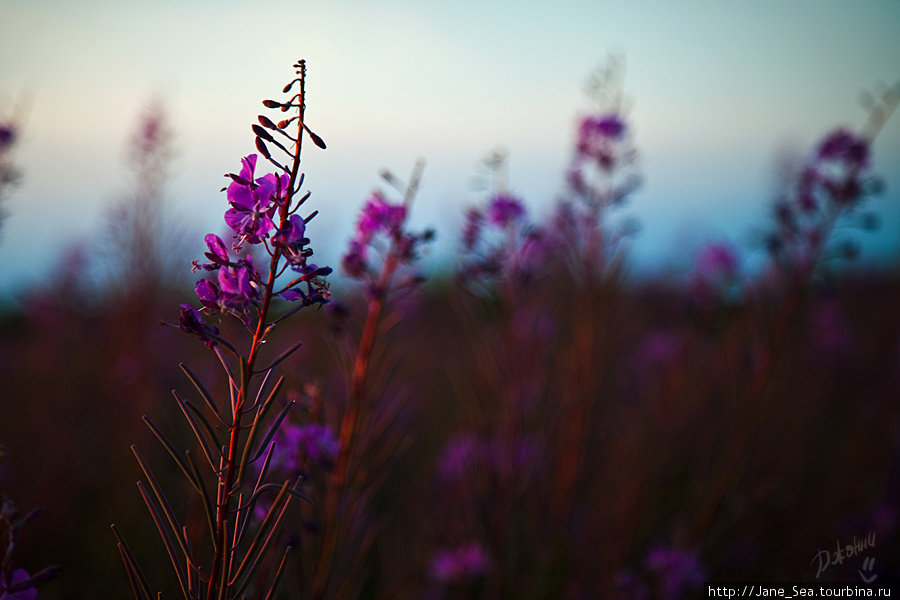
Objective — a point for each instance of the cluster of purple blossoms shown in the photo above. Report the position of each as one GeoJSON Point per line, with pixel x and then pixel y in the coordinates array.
{"type": "Point", "coordinates": [378, 216]}
{"type": "Point", "coordinates": [602, 150]}
{"type": "Point", "coordinates": [300, 448]}
{"type": "Point", "coordinates": [675, 572]}
{"type": "Point", "coordinates": [598, 138]}
{"type": "Point", "coordinates": [466, 453]}
{"type": "Point", "coordinates": [237, 283]}
{"type": "Point", "coordinates": [833, 181]}
{"type": "Point", "coordinates": [380, 219]}
{"type": "Point", "coordinates": [254, 202]}
{"type": "Point", "coordinates": [671, 573]}
{"type": "Point", "coordinates": [504, 210]}
{"type": "Point", "coordinates": [835, 171]}
{"type": "Point", "coordinates": [460, 565]}
{"type": "Point", "coordinates": [498, 237]}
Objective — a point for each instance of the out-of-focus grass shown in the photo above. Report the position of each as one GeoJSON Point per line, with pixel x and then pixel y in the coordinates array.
{"type": "Point", "coordinates": [662, 401]}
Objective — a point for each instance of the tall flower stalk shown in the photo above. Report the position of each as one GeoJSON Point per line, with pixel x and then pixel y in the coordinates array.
{"type": "Point", "coordinates": [832, 184]}
{"type": "Point", "coordinates": [223, 563]}
{"type": "Point", "coordinates": [379, 256]}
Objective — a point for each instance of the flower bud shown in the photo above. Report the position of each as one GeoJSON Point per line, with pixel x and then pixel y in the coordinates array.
{"type": "Point", "coordinates": [315, 139]}
{"type": "Point", "coordinates": [260, 132]}
{"type": "Point", "coordinates": [265, 122]}
{"type": "Point", "coordinates": [260, 145]}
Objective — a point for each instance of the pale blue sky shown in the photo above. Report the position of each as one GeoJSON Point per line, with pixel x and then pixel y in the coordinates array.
{"type": "Point", "coordinates": [717, 89]}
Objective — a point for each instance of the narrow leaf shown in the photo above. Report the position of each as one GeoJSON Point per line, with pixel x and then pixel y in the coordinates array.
{"type": "Point", "coordinates": [291, 491]}
{"type": "Point", "coordinates": [251, 438]}
{"type": "Point", "coordinates": [277, 578]}
{"type": "Point", "coordinates": [267, 526]}
{"type": "Point", "coordinates": [207, 503]}
{"type": "Point", "coordinates": [161, 498]}
{"type": "Point", "coordinates": [134, 571]}
{"type": "Point", "coordinates": [282, 356]}
{"type": "Point", "coordinates": [263, 471]}
{"type": "Point", "coordinates": [272, 431]}
{"type": "Point", "coordinates": [201, 389]}
{"type": "Point", "coordinates": [190, 411]}
{"type": "Point", "coordinates": [262, 387]}
{"type": "Point", "coordinates": [227, 367]}
{"type": "Point", "coordinates": [167, 542]}
{"type": "Point", "coordinates": [171, 450]}
{"type": "Point", "coordinates": [273, 531]}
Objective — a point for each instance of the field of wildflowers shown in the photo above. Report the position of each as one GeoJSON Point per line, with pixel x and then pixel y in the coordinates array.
{"type": "Point", "coordinates": [531, 425]}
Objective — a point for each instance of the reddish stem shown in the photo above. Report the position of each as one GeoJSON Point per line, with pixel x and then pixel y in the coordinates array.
{"type": "Point", "coordinates": [224, 551]}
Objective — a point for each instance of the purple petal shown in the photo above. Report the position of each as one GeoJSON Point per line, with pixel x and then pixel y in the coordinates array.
{"type": "Point", "coordinates": [217, 246]}
{"type": "Point", "coordinates": [243, 284]}
{"type": "Point", "coordinates": [240, 196]}
{"type": "Point", "coordinates": [249, 165]}
{"type": "Point", "coordinates": [227, 283]}
{"type": "Point", "coordinates": [235, 218]}
{"type": "Point", "coordinates": [291, 295]}
{"type": "Point", "coordinates": [207, 291]}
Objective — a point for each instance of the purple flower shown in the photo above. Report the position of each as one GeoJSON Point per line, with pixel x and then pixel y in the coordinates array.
{"type": "Point", "coordinates": [460, 565]}
{"type": "Point", "coordinates": [609, 126]}
{"type": "Point", "coordinates": [385, 221]}
{"type": "Point", "coordinates": [843, 145]}
{"type": "Point", "coordinates": [209, 294]}
{"type": "Point", "coordinates": [676, 572]}
{"type": "Point", "coordinates": [597, 137]}
{"type": "Point", "coordinates": [717, 262]}
{"type": "Point", "coordinates": [191, 321]}
{"type": "Point", "coordinates": [379, 216]}
{"type": "Point", "coordinates": [465, 453]}
{"type": "Point", "coordinates": [217, 255]}
{"type": "Point", "coordinates": [504, 209]}
{"type": "Point", "coordinates": [299, 448]}
{"type": "Point", "coordinates": [7, 136]}
{"type": "Point", "coordinates": [253, 203]}
{"type": "Point", "coordinates": [18, 586]}
{"type": "Point", "coordinates": [355, 261]}
{"type": "Point", "coordinates": [292, 240]}
{"type": "Point", "coordinates": [291, 236]}
{"type": "Point", "coordinates": [236, 288]}
{"type": "Point", "coordinates": [835, 169]}
{"type": "Point", "coordinates": [459, 456]}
